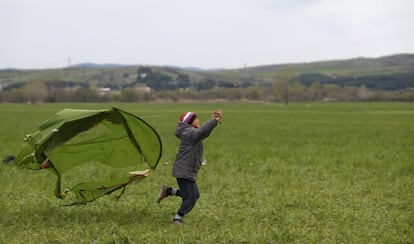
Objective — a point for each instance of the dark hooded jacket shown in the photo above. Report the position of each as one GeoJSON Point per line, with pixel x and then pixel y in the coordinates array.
{"type": "Point", "coordinates": [190, 152]}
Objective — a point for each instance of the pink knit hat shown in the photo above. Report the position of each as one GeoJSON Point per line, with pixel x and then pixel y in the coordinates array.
{"type": "Point", "coordinates": [188, 117]}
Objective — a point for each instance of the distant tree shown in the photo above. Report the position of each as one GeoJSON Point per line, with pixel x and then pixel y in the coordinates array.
{"type": "Point", "coordinates": [331, 91]}
{"type": "Point", "coordinates": [85, 94]}
{"type": "Point", "coordinates": [160, 81]}
{"type": "Point", "coordinates": [156, 80]}
{"type": "Point", "coordinates": [183, 81]}
{"type": "Point", "coordinates": [315, 91]}
{"type": "Point", "coordinates": [143, 72]}
{"type": "Point", "coordinates": [283, 86]}
{"type": "Point", "coordinates": [297, 91]}
{"type": "Point", "coordinates": [227, 84]}
{"type": "Point", "coordinates": [35, 91]}
{"type": "Point", "coordinates": [253, 93]}
{"type": "Point", "coordinates": [205, 85]}
{"type": "Point", "coordinates": [127, 95]}
{"type": "Point", "coordinates": [9, 96]}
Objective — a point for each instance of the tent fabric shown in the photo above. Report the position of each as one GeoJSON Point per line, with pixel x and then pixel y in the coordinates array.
{"type": "Point", "coordinates": [75, 137]}
{"type": "Point", "coordinates": [90, 191]}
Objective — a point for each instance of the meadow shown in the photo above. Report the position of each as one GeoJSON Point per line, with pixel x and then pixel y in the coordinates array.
{"type": "Point", "coordinates": [302, 173]}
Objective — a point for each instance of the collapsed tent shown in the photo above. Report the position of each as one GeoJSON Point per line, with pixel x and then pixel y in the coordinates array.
{"type": "Point", "coordinates": [74, 138]}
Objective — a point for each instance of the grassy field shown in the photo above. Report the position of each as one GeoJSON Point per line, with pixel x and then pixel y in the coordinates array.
{"type": "Point", "coordinates": [302, 173]}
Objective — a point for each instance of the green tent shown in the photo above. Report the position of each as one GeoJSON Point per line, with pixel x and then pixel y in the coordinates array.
{"type": "Point", "coordinates": [111, 137]}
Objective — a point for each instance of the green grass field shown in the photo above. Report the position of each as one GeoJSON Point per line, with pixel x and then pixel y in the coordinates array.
{"type": "Point", "coordinates": [302, 173]}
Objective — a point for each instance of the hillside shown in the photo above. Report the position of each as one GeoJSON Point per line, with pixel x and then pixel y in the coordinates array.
{"type": "Point", "coordinates": [364, 68]}
{"type": "Point", "coordinates": [388, 72]}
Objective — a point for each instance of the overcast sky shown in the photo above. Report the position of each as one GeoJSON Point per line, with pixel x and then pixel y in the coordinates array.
{"type": "Point", "coordinates": [200, 33]}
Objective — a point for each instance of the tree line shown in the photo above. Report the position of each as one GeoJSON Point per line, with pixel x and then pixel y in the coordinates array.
{"type": "Point", "coordinates": [155, 86]}
{"type": "Point", "coordinates": [158, 81]}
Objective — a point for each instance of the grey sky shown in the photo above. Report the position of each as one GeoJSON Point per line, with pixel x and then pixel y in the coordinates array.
{"type": "Point", "coordinates": [200, 33]}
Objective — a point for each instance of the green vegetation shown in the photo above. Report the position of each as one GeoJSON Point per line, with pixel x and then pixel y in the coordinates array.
{"type": "Point", "coordinates": [387, 78]}
{"type": "Point", "coordinates": [303, 173]}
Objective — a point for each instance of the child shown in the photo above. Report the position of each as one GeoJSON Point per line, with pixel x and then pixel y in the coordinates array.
{"type": "Point", "coordinates": [188, 160]}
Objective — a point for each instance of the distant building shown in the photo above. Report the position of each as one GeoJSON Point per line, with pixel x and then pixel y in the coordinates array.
{"type": "Point", "coordinates": [104, 90]}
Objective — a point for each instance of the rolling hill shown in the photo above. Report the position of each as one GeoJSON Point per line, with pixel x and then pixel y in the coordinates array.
{"type": "Point", "coordinates": [388, 72]}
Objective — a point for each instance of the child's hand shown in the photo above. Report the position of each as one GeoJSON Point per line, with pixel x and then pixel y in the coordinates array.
{"type": "Point", "coordinates": [217, 114]}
